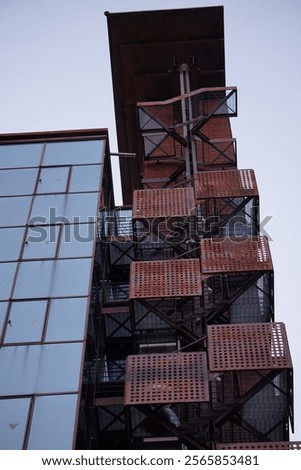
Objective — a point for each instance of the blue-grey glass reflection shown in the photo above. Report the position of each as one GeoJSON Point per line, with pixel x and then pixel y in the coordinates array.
{"type": "Point", "coordinates": [14, 211]}
{"type": "Point", "coordinates": [61, 278]}
{"type": "Point", "coordinates": [64, 208]}
{"type": "Point", "coordinates": [41, 242]}
{"type": "Point", "coordinates": [85, 178]}
{"type": "Point", "coordinates": [53, 423]}
{"type": "Point", "coordinates": [77, 240]}
{"type": "Point", "coordinates": [67, 319]}
{"type": "Point", "coordinates": [18, 182]}
{"type": "Point", "coordinates": [14, 415]}
{"type": "Point", "coordinates": [74, 152]}
{"type": "Point", "coordinates": [20, 155]}
{"type": "Point", "coordinates": [26, 322]}
{"type": "Point", "coordinates": [53, 180]}
{"type": "Point", "coordinates": [10, 243]}
{"type": "Point", "coordinates": [7, 273]}
{"type": "Point", "coordinates": [3, 307]}
{"type": "Point", "coordinates": [47, 368]}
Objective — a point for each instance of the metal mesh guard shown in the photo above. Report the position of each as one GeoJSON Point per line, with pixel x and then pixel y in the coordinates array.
{"type": "Point", "coordinates": [166, 278]}
{"type": "Point", "coordinates": [248, 346]}
{"type": "Point", "coordinates": [166, 378]}
{"type": "Point", "coordinates": [225, 183]}
{"type": "Point", "coordinates": [231, 255]}
{"type": "Point", "coordinates": [152, 203]}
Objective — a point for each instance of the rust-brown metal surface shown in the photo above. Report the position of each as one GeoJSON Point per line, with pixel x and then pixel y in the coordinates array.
{"type": "Point", "coordinates": [174, 202]}
{"type": "Point", "coordinates": [225, 183]}
{"type": "Point", "coordinates": [260, 446]}
{"type": "Point", "coordinates": [166, 378]}
{"type": "Point", "coordinates": [146, 49]}
{"type": "Point", "coordinates": [232, 255]}
{"type": "Point", "coordinates": [248, 346]}
{"type": "Point", "coordinates": [165, 278]}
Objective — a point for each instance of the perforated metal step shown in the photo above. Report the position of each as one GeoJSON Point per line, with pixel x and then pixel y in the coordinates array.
{"type": "Point", "coordinates": [231, 255]}
{"type": "Point", "coordinates": [260, 446]}
{"type": "Point", "coordinates": [165, 278]}
{"type": "Point", "coordinates": [173, 202]}
{"type": "Point", "coordinates": [248, 346]}
{"type": "Point", "coordinates": [166, 378]}
{"type": "Point", "coordinates": [225, 183]}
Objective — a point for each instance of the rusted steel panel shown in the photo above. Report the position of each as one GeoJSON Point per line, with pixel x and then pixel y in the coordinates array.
{"type": "Point", "coordinates": [108, 401]}
{"type": "Point", "coordinates": [153, 203]}
{"type": "Point", "coordinates": [166, 378]}
{"type": "Point", "coordinates": [225, 183]}
{"type": "Point", "coordinates": [165, 278]}
{"type": "Point", "coordinates": [248, 346]}
{"type": "Point", "coordinates": [232, 255]}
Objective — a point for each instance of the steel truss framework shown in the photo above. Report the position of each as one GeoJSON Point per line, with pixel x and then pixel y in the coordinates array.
{"type": "Point", "coordinates": [191, 268]}
{"type": "Point", "coordinates": [162, 126]}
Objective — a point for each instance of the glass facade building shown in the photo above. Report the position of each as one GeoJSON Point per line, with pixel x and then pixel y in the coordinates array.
{"type": "Point", "coordinates": [52, 188]}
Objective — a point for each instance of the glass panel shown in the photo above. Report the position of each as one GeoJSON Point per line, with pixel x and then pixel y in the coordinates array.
{"type": "Point", "coordinates": [56, 433]}
{"type": "Point", "coordinates": [53, 180]}
{"type": "Point", "coordinates": [26, 322]}
{"type": "Point", "coordinates": [124, 222]}
{"type": "Point", "coordinates": [14, 210]}
{"type": "Point", "coordinates": [54, 209]}
{"type": "Point", "coordinates": [3, 306]}
{"type": "Point", "coordinates": [20, 155]}
{"type": "Point", "coordinates": [85, 178]}
{"type": "Point", "coordinates": [13, 422]}
{"type": "Point", "coordinates": [41, 242]}
{"type": "Point", "coordinates": [67, 319]}
{"type": "Point", "coordinates": [77, 240]}
{"type": "Point", "coordinates": [17, 182]}
{"type": "Point", "coordinates": [74, 152]}
{"type": "Point", "coordinates": [7, 272]}
{"type": "Point", "coordinates": [47, 368]}
{"type": "Point", "coordinates": [61, 278]}
{"type": "Point", "coordinates": [10, 243]}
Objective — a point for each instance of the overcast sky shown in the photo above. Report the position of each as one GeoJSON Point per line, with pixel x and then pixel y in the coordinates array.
{"type": "Point", "coordinates": [55, 74]}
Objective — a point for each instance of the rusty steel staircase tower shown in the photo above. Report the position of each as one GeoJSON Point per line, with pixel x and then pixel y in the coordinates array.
{"type": "Point", "coordinates": [191, 355]}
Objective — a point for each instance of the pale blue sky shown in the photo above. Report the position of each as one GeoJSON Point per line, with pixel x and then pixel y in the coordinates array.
{"type": "Point", "coordinates": [55, 74]}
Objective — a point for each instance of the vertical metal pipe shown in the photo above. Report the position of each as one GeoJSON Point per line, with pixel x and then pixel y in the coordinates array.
{"type": "Point", "coordinates": [190, 153]}
{"type": "Point", "coordinates": [184, 79]}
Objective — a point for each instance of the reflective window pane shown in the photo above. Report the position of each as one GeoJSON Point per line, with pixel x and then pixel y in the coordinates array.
{"type": "Point", "coordinates": [41, 242]}
{"type": "Point", "coordinates": [10, 243]}
{"type": "Point", "coordinates": [14, 414]}
{"type": "Point", "coordinates": [14, 211]}
{"type": "Point", "coordinates": [61, 278]}
{"type": "Point", "coordinates": [3, 306]}
{"type": "Point", "coordinates": [77, 240]}
{"type": "Point", "coordinates": [18, 182]}
{"type": "Point", "coordinates": [67, 319]}
{"type": "Point", "coordinates": [21, 155]}
{"type": "Point", "coordinates": [74, 152]}
{"type": "Point", "coordinates": [55, 433]}
{"type": "Point", "coordinates": [7, 273]}
{"type": "Point", "coordinates": [47, 368]}
{"type": "Point", "coordinates": [53, 180]}
{"type": "Point", "coordinates": [26, 322]}
{"type": "Point", "coordinates": [61, 208]}
{"type": "Point", "coordinates": [124, 222]}
{"type": "Point", "coordinates": [85, 178]}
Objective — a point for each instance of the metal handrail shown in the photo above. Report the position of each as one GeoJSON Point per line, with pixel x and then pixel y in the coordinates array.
{"type": "Point", "coordinates": [186, 95]}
